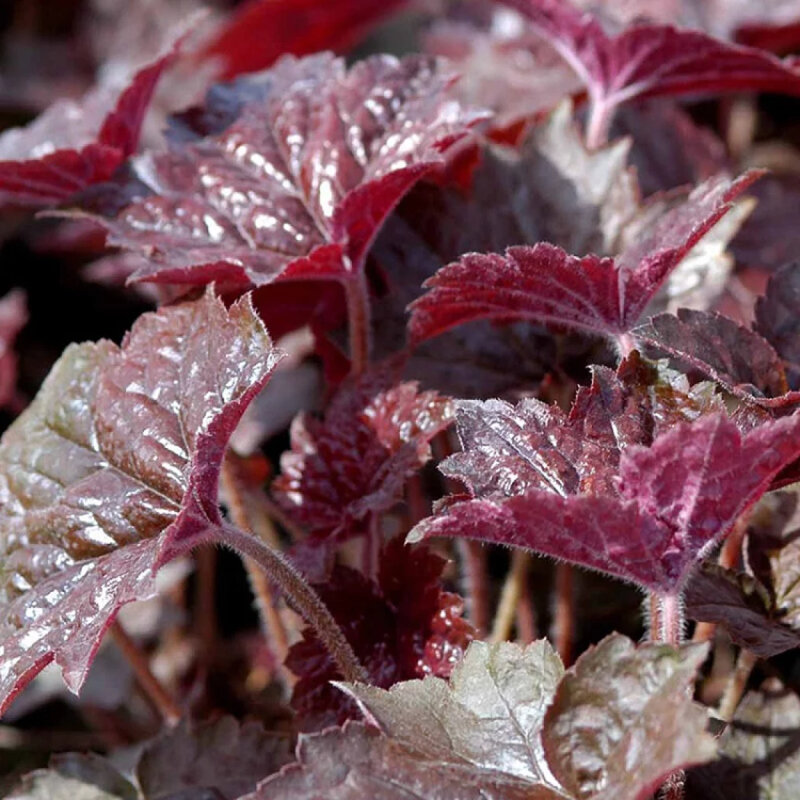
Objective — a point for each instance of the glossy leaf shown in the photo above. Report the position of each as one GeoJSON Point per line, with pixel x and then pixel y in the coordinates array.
{"type": "Point", "coordinates": [654, 726]}
{"type": "Point", "coordinates": [355, 461]}
{"type": "Point", "coordinates": [292, 173]}
{"type": "Point", "coordinates": [649, 60]}
{"type": "Point", "coordinates": [544, 284]}
{"type": "Point", "coordinates": [489, 715]}
{"type": "Point", "coordinates": [675, 499]}
{"type": "Point", "coordinates": [111, 471]}
{"type": "Point", "coordinates": [576, 735]}
{"type": "Point", "coordinates": [358, 762]}
{"type": "Point", "coordinates": [72, 146]}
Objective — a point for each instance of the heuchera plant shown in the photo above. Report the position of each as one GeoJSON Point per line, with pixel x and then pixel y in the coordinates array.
{"type": "Point", "coordinates": [446, 353]}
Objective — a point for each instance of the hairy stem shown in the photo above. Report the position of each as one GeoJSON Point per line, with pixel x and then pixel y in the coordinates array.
{"type": "Point", "coordinates": [736, 684]}
{"type": "Point", "coordinates": [301, 595]}
{"type": "Point", "coordinates": [509, 598]}
{"type": "Point", "coordinates": [358, 317]}
{"type": "Point", "coordinates": [564, 613]}
{"type": "Point", "coordinates": [666, 625]}
{"type": "Point", "coordinates": [152, 687]}
{"type": "Point", "coordinates": [243, 516]}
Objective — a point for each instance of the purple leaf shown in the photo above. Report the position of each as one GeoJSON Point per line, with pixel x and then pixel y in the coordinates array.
{"type": "Point", "coordinates": [355, 461]}
{"type": "Point", "coordinates": [73, 146]}
{"type": "Point", "coordinates": [391, 625]}
{"type": "Point", "coordinates": [743, 606]}
{"type": "Point", "coordinates": [504, 65]}
{"type": "Point", "coordinates": [649, 60]}
{"type": "Point", "coordinates": [111, 471]}
{"type": "Point", "coordinates": [220, 759]}
{"type": "Point", "coordinates": [738, 358]}
{"type": "Point", "coordinates": [544, 284]}
{"type": "Point", "coordinates": [675, 500]}
{"type": "Point", "coordinates": [357, 762]}
{"type": "Point", "coordinates": [297, 175]}
{"type": "Point", "coordinates": [778, 318]}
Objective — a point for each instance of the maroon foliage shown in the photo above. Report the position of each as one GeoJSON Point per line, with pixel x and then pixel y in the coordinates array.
{"type": "Point", "coordinates": [111, 471]}
{"type": "Point", "coordinates": [295, 174]}
{"type": "Point", "coordinates": [73, 146]}
{"type": "Point", "coordinates": [394, 626]}
{"type": "Point", "coordinates": [543, 283]}
{"type": "Point", "coordinates": [355, 462]}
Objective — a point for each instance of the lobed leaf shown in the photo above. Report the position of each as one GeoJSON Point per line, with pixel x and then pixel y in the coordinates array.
{"type": "Point", "coordinates": [649, 60]}
{"type": "Point", "coordinates": [72, 146]}
{"type": "Point", "coordinates": [738, 358]}
{"type": "Point", "coordinates": [675, 499]}
{"type": "Point", "coordinates": [741, 604]}
{"type": "Point", "coordinates": [392, 626]}
{"type": "Point", "coordinates": [111, 471]}
{"type": "Point", "coordinates": [622, 719]}
{"type": "Point", "coordinates": [512, 711]}
{"type": "Point", "coordinates": [223, 759]}
{"type": "Point", "coordinates": [544, 284]}
{"type": "Point", "coordinates": [355, 462]}
{"type": "Point", "coordinates": [357, 762]}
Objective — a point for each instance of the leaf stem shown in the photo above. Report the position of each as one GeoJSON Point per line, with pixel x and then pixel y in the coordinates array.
{"type": "Point", "coordinates": [476, 585]}
{"type": "Point", "coordinates": [358, 317]}
{"type": "Point", "coordinates": [152, 687]}
{"type": "Point", "coordinates": [564, 612]}
{"type": "Point", "coordinates": [598, 125]}
{"type": "Point", "coordinates": [509, 597]}
{"type": "Point", "coordinates": [736, 684]}
{"type": "Point", "coordinates": [666, 618]}
{"type": "Point", "coordinates": [305, 599]}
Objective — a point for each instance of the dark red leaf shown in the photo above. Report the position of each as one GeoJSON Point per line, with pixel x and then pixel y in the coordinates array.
{"type": "Point", "coordinates": [675, 500]}
{"type": "Point", "coordinates": [112, 470]}
{"type": "Point", "coordinates": [648, 60]}
{"type": "Point", "coordinates": [395, 627]}
{"type": "Point", "coordinates": [355, 462]}
{"type": "Point", "coordinates": [74, 145]}
{"type": "Point", "coordinates": [545, 284]}
{"type": "Point", "coordinates": [261, 31]}
{"type": "Point", "coordinates": [304, 163]}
